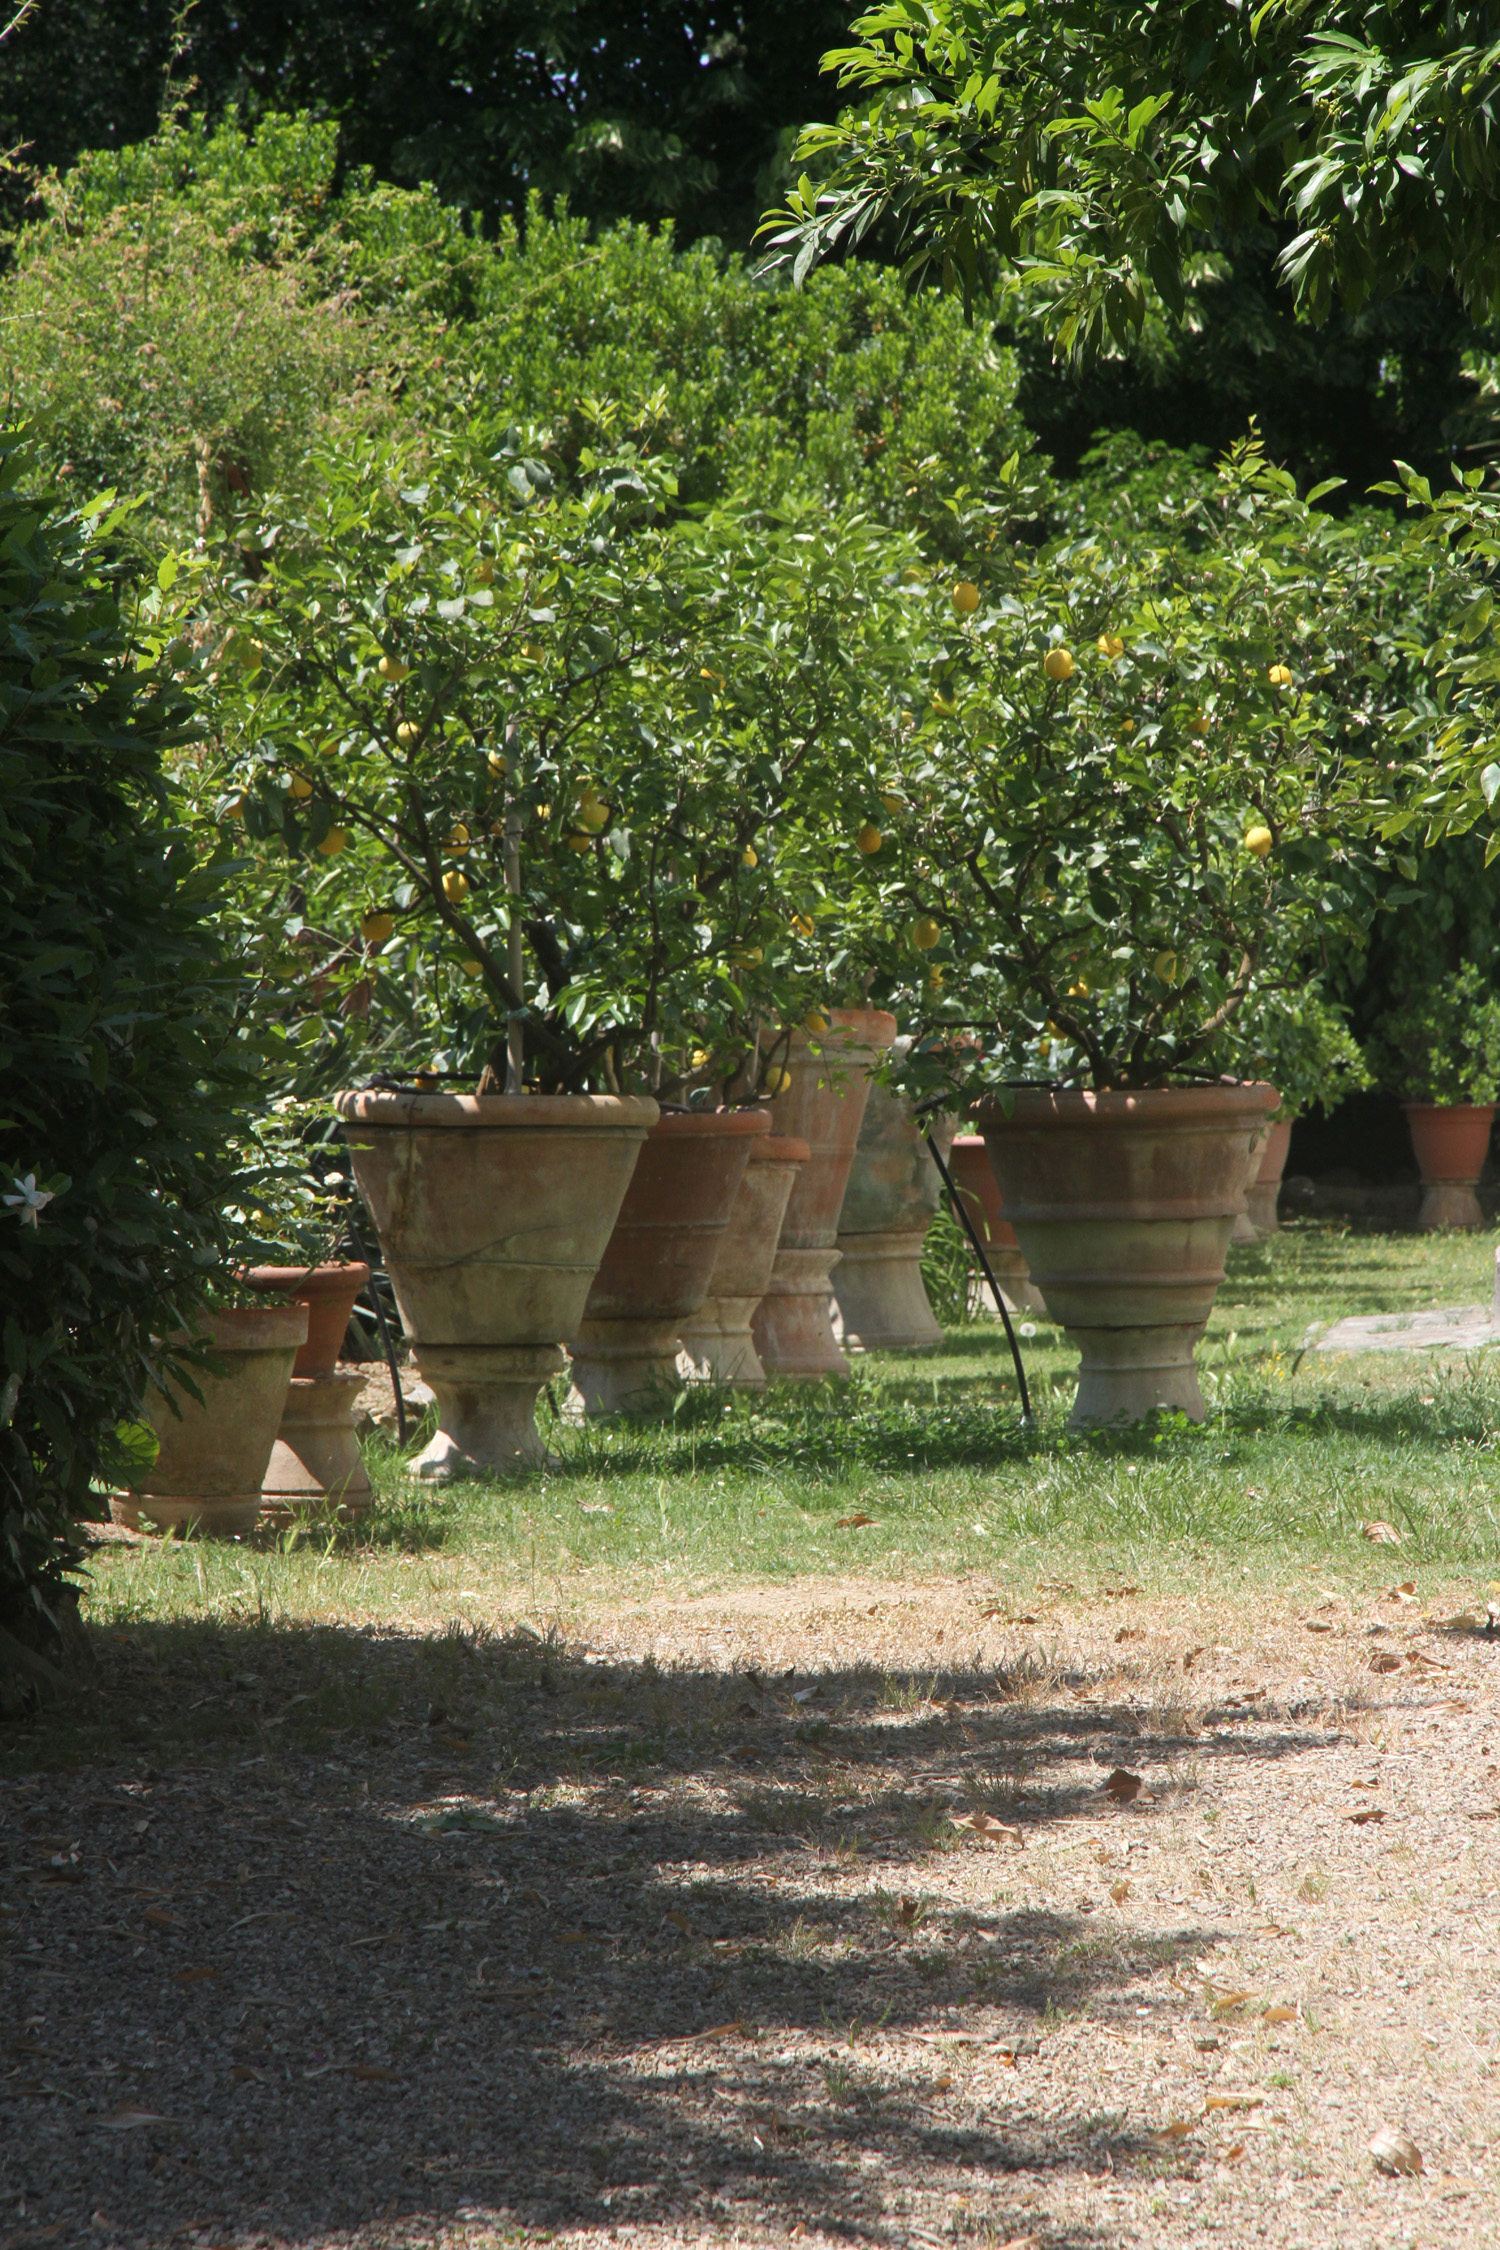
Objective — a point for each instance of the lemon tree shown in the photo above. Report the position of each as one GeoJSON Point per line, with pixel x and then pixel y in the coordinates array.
{"type": "Point", "coordinates": [545, 757]}
{"type": "Point", "coordinates": [1134, 759]}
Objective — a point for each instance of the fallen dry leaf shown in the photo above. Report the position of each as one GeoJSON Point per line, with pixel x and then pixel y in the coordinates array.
{"type": "Point", "coordinates": [907, 1909]}
{"type": "Point", "coordinates": [195, 1976]}
{"type": "Point", "coordinates": [678, 1921]}
{"type": "Point", "coordinates": [1405, 1592]}
{"type": "Point", "coordinates": [1131, 1633]}
{"type": "Point", "coordinates": [854, 1522]}
{"type": "Point", "coordinates": [1124, 1787]}
{"type": "Point", "coordinates": [1119, 1892]}
{"type": "Point", "coordinates": [1395, 2151]}
{"type": "Point", "coordinates": [1233, 2155]}
{"type": "Point", "coordinates": [1317, 1625]}
{"type": "Point", "coordinates": [1281, 2014]}
{"type": "Point", "coordinates": [162, 1920]}
{"type": "Point", "coordinates": [1233, 2101]}
{"type": "Point", "coordinates": [1385, 1660]}
{"type": "Point", "coordinates": [1176, 2129]}
{"type": "Point", "coordinates": [127, 2118]}
{"type": "Point", "coordinates": [985, 1824]}
{"type": "Point", "coordinates": [1119, 1593]}
{"type": "Point", "coordinates": [1369, 1813]}
{"type": "Point", "coordinates": [737, 2026]}
{"type": "Point", "coordinates": [1420, 1661]}
{"type": "Point", "coordinates": [944, 2084]}
{"type": "Point", "coordinates": [1381, 1533]}
{"type": "Point", "coordinates": [1225, 2003]}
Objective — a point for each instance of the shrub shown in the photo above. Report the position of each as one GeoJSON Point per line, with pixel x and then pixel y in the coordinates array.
{"type": "Point", "coordinates": [115, 1014]}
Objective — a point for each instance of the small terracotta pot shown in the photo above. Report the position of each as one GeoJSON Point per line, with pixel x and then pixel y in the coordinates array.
{"type": "Point", "coordinates": [316, 1467]}
{"type": "Point", "coordinates": [1124, 1205]}
{"type": "Point", "coordinates": [889, 1203]}
{"type": "Point", "coordinates": [213, 1456]}
{"type": "Point", "coordinates": [717, 1337]}
{"type": "Point", "coordinates": [1264, 1190]}
{"type": "Point", "coordinates": [660, 1258]}
{"type": "Point", "coordinates": [494, 1211]}
{"type": "Point", "coordinates": [974, 1179]}
{"type": "Point", "coordinates": [824, 1106]}
{"type": "Point", "coordinates": [328, 1293]}
{"type": "Point", "coordinates": [1451, 1142]}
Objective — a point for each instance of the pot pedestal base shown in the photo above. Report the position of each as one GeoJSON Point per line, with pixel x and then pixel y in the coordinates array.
{"type": "Point", "coordinates": [1449, 1203]}
{"type": "Point", "coordinates": [719, 1343]}
{"type": "Point", "coordinates": [625, 1367]}
{"type": "Point", "coordinates": [230, 1516]}
{"type": "Point", "coordinates": [316, 1465]}
{"type": "Point", "coordinates": [881, 1293]}
{"type": "Point", "coordinates": [486, 1409]}
{"type": "Point", "coordinates": [793, 1324]}
{"type": "Point", "coordinates": [1127, 1373]}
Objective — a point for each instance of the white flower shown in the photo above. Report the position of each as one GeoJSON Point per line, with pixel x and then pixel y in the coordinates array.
{"type": "Point", "coordinates": [28, 1200]}
{"type": "Point", "coordinates": [1027, 1328]}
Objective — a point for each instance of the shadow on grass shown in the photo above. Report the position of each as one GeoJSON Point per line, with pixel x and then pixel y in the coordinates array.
{"type": "Point", "coordinates": [407, 1929]}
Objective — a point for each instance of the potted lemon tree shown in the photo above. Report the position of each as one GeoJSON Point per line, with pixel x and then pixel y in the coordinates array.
{"type": "Point", "coordinates": [1439, 1050]}
{"type": "Point", "coordinates": [1135, 758]}
{"type": "Point", "coordinates": [541, 750]}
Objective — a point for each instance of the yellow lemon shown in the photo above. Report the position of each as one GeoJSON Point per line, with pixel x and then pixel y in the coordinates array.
{"type": "Point", "coordinates": [1259, 839]}
{"type": "Point", "coordinates": [579, 843]}
{"type": "Point", "coordinates": [815, 1023]}
{"type": "Point", "coordinates": [455, 885]}
{"type": "Point", "coordinates": [778, 1081]}
{"type": "Point", "coordinates": [869, 838]}
{"type": "Point", "coordinates": [700, 1057]}
{"type": "Point", "coordinates": [944, 705]}
{"type": "Point", "coordinates": [1127, 726]}
{"type": "Point", "coordinates": [392, 668]}
{"type": "Point", "coordinates": [1165, 966]}
{"type": "Point", "coordinates": [331, 747]}
{"type": "Point", "coordinates": [592, 815]}
{"type": "Point", "coordinates": [965, 598]}
{"type": "Point", "coordinates": [534, 650]}
{"type": "Point", "coordinates": [893, 803]}
{"type": "Point", "coordinates": [471, 967]}
{"type": "Point", "coordinates": [427, 1081]}
{"type": "Point", "coordinates": [299, 785]}
{"type": "Point", "coordinates": [458, 838]}
{"type": "Point", "coordinates": [749, 857]}
{"type": "Point", "coordinates": [750, 955]}
{"type": "Point", "coordinates": [1279, 675]}
{"type": "Point", "coordinates": [1078, 991]}
{"type": "Point", "coordinates": [484, 571]}
{"type": "Point", "coordinates": [803, 925]}
{"type": "Point", "coordinates": [935, 980]}
{"type": "Point", "coordinates": [925, 933]}
{"type": "Point", "coordinates": [1058, 664]}
{"type": "Point", "coordinates": [499, 764]}
{"type": "Point", "coordinates": [234, 807]}
{"type": "Point", "coordinates": [376, 928]}
{"type": "Point", "coordinates": [407, 734]}
{"type": "Point", "coordinates": [1110, 644]}
{"type": "Point", "coordinates": [334, 841]}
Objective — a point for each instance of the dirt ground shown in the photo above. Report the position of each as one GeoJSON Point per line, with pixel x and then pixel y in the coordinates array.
{"type": "Point", "coordinates": [802, 1913]}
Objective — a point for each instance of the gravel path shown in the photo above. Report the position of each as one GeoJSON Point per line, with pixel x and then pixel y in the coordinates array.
{"type": "Point", "coordinates": [798, 1913]}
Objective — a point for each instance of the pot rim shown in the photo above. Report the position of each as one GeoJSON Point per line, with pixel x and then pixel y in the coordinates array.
{"type": "Point", "coordinates": [1451, 1109]}
{"type": "Point", "coordinates": [491, 1112]}
{"type": "Point", "coordinates": [326, 1279]}
{"type": "Point", "coordinates": [691, 1124]}
{"type": "Point", "coordinates": [248, 1328]}
{"type": "Point", "coordinates": [1149, 1108]}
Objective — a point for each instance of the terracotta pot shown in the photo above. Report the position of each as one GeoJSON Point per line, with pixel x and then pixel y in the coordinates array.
{"type": "Point", "coordinates": [316, 1466]}
{"type": "Point", "coordinates": [824, 1106]}
{"type": "Point", "coordinates": [1451, 1143]}
{"type": "Point", "coordinates": [661, 1256]}
{"type": "Point", "coordinates": [328, 1293]}
{"type": "Point", "coordinates": [1261, 1196]}
{"type": "Point", "coordinates": [1245, 1229]}
{"type": "Point", "coordinates": [974, 1178]}
{"type": "Point", "coordinates": [889, 1203]}
{"type": "Point", "coordinates": [717, 1337]}
{"type": "Point", "coordinates": [1124, 1205]}
{"type": "Point", "coordinates": [213, 1457]}
{"type": "Point", "coordinates": [494, 1212]}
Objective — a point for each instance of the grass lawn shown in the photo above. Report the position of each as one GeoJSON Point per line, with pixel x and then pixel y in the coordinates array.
{"type": "Point", "coordinates": [1298, 1451]}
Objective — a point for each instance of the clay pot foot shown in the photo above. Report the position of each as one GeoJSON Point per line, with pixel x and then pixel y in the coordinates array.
{"type": "Point", "coordinates": [486, 1409]}
{"type": "Point", "coordinates": [719, 1346]}
{"type": "Point", "coordinates": [1449, 1203]}
{"type": "Point", "coordinates": [793, 1326]}
{"type": "Point", "coordinates": [625, 1367]}
{"type": "Point", "coordinates": [316, 1465]}
{"type": "Point", "coordinates": [1127, 1373]}
{"type": "Point", "coordinates": [881, 1293]}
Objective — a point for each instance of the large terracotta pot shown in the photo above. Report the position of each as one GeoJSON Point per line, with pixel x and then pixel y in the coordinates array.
{"type": "Point", "coordinates": [1245, 1229]}
{"type": "Point", "coordinates": [717, 1337]}
{"type": "Point", "coordinates": [493, 1211]}
{"type": "Point", "coordinates": [889, 1203]}
{"type": "Point", "coordinates": [824, 1106]}
{"type": "Point", "coordinates": [328, 1293]}
{"type": "Point", "coordinates": [1265, 1188]}
{"type": "Point", "coordinates": [1124, 1205]}
{"type": "Point", "coordinates": [974, 1179]}
{"type": "Point", "coordinates": [213, 1455]}
{"type": "Point", "coordinates": [1451, 1144]}
{"type": "Point", "coordinates": [661, 1256]}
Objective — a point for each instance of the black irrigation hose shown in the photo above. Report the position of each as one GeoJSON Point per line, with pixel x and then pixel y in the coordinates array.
{"type": "Point", "coordinates": [958, 1204]}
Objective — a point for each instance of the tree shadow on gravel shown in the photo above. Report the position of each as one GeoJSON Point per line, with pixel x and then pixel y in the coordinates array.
{"type": "Point", "coordinates": [317, 1931]}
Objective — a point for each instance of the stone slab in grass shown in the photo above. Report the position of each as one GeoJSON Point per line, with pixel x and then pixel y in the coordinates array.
{"type": "Point", "coordinates": [1463, 1328]}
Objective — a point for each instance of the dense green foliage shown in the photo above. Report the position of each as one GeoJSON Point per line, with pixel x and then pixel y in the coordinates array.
{"type": "Point", "coordinates": [1442, 1042]}
{"type": "Point", "coordinates": [1091, 148]}
{"type": "Point", "coordinates": [633, 108]}
{"type": "Point", "coordinates": [114, 1016]}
